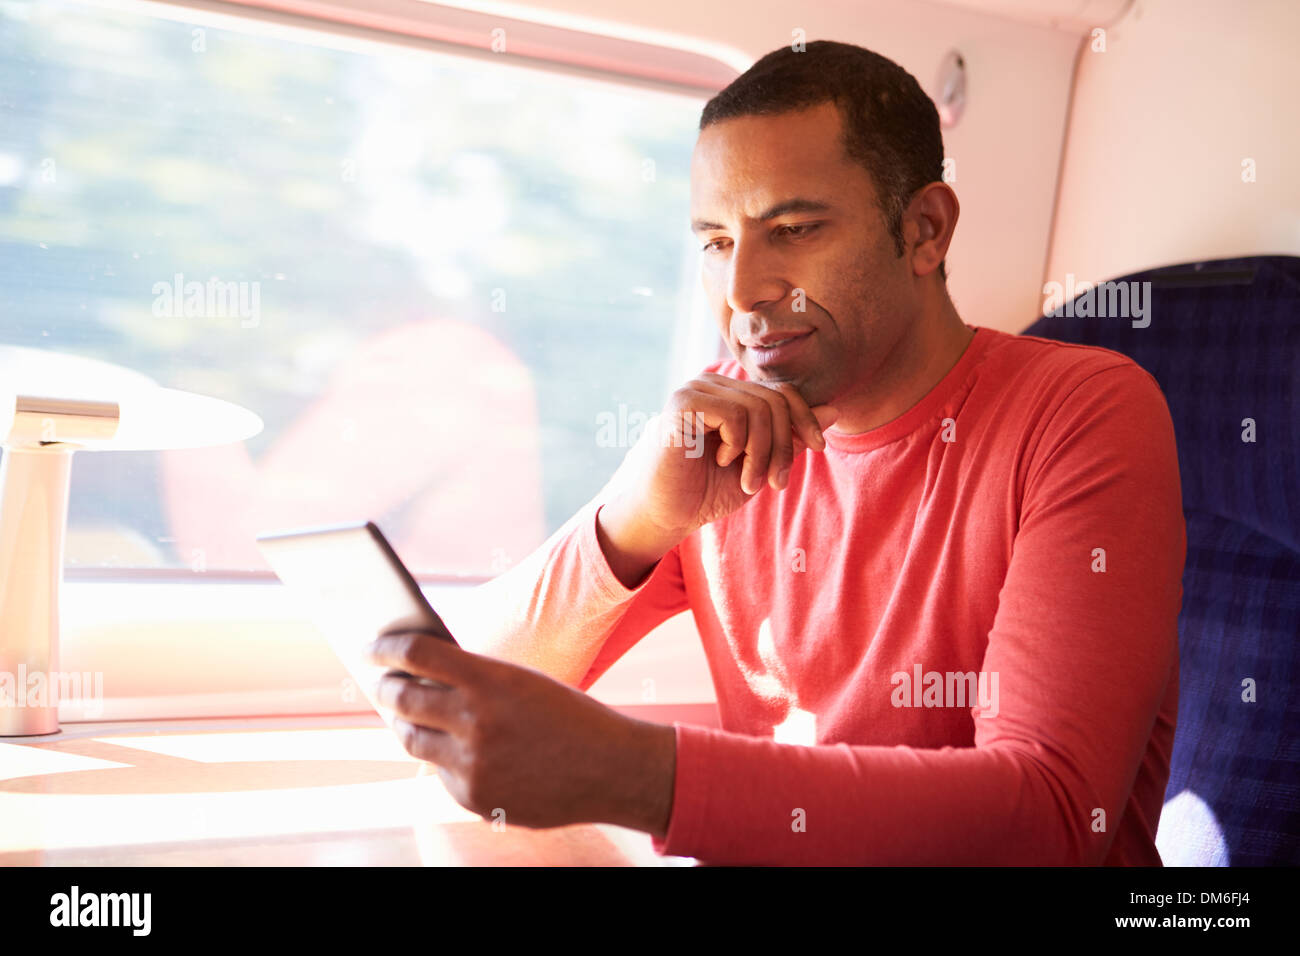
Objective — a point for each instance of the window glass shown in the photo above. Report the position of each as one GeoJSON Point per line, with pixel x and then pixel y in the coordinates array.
{"type": "Point", "coordinates": [434, 276]}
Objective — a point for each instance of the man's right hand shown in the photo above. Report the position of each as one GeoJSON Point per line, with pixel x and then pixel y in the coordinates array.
{"type": "Point", "coordinates": [716, 444]}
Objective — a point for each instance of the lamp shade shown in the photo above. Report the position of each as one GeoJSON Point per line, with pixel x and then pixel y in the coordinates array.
{"type": "Point", "coordinates": [150, 417]}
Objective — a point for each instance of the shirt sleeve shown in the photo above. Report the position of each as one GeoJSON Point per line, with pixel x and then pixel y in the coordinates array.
{"type": "Point", "coordinates": [1084, 644]}
{"type": "Point", "coordinates": [563, 611]}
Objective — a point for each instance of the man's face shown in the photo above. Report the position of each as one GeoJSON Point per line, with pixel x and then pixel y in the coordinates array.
{"type": "Point", "coordinates": [786, 221]}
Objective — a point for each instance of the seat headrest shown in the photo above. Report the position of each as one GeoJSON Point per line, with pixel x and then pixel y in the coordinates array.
{"type": "Point", "coordinates": [1222, 338]}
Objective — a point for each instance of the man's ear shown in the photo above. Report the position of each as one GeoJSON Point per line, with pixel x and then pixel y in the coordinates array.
{"type": "Point", "coordinates": [928, 226]}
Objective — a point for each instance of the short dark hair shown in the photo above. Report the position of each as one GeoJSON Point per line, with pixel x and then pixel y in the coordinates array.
{"type": "Point", "coordinates": [891, 127]}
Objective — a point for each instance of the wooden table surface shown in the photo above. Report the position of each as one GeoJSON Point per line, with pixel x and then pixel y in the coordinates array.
{"type": "Point", "coordinates": [331, 791]}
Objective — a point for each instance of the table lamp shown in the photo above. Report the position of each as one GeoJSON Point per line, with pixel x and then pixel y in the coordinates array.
{"type": "Point", "coordinates": [52, 405]}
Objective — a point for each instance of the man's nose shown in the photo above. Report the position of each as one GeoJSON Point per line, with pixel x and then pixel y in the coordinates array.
{"type": "Point", "coordinates": [754, 277]}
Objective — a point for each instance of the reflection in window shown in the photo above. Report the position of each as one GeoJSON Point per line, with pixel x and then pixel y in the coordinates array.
{"type": "Point", "coordinates": [429, 274]}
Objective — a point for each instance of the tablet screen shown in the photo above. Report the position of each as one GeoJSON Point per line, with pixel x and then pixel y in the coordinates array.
{"type": "Point", "coordinates": [350, 582]}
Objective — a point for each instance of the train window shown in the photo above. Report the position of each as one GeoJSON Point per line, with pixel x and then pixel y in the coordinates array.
{"type": "Point", "coordinates": [438, 278]}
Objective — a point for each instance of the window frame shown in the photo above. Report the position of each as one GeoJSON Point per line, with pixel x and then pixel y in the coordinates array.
{"type": "Point", "coordinates": [465, 32]}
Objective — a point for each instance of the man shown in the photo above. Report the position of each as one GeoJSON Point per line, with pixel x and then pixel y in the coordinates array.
{"type": "Point", "coordinates": [936, 569]}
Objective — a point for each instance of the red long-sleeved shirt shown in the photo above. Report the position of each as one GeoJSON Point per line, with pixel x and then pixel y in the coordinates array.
{"type": "Point", "coordinates": [1022, 524]}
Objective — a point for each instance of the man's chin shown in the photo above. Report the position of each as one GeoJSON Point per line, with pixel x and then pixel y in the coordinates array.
{"type": "Point", "coordinates": [766, 376]}
{"type": "Point", "coordinates": [811, 391]}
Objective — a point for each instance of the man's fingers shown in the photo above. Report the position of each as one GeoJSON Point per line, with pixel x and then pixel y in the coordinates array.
{"type": "Point", "coordinates": [422, 654]}
{"type": "Point", "coordinates": [788, 409]}
{"type": "Point", "coordinates": [758, 449]}
{"type": "Point", "coordinates": [431, 746]}
{"type": "Point", "coordinates": [825, 416]}
{"type": "Point", "coordinates": [775, 469]}
{"type": "Point", "coordinates": [766, 428]}
{"type": "Point", "coordinates": [803, 421]}
{"type": "Point", "coordinates": [435, 707]}
{"type": "Point", "coordinates": [730, 411]}
{"type": "Point", "coordinates": [768, 424]}
{"type": "Point", "coordinates": [715, 413]}
{"type": "Point", "coordinates": [794, 425]}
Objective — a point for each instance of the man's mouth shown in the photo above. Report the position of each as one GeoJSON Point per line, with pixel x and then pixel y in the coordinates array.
{"type": "Point", "coordinates": [775, 339]}
{"type": "Point", "coordinates": [778, 348]}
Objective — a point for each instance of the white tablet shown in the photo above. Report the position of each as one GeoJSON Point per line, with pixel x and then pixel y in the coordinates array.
{"type": "Point", "coordinates": [353, 586]}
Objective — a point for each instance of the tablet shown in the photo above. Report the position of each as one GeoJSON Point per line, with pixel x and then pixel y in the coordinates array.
{"type": "Point", "coordinates": [353, 586]}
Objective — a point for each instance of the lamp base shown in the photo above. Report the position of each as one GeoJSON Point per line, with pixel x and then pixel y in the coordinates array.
{"type": "Point", "coordinates": [34, 484]}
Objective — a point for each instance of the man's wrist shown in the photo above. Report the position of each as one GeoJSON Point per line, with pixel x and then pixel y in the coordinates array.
{"type": "Point", "coordinates": [643, 777]}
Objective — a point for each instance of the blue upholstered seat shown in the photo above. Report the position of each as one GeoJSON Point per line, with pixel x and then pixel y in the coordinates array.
{"type": "Point", "coordinates": [1223, 341]}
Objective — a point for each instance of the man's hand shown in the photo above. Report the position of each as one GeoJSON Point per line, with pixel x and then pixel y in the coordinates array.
{"type": "Point", "coordinates": [717, 443]}
{"type": "Point", "coordinates": [509, 738]}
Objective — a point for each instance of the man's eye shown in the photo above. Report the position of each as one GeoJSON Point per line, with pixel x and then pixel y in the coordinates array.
{"type": "Point", "coordinates": [799, 230]}
{"type": "Point", "coordinates": [790, 231]}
